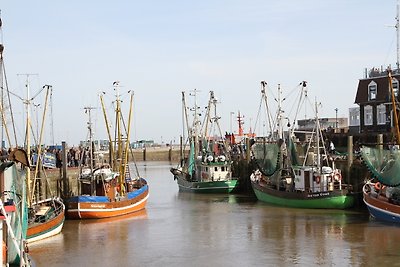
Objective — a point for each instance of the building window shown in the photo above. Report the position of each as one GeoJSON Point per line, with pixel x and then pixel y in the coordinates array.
{"type": "Point", "coordinates": [395, 85]}
{"type": "Point", "coordinates": [354, 117]}
{"type": "Point", "coordinates": [381, 114]}
{"type": "Point", "coordinates": [372, 90]}
{"type": "Point", "coordinates": [368, 115]}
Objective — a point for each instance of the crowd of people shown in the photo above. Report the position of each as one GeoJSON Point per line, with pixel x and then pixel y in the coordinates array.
{"type": "Point", "coordinates": [76, 156]}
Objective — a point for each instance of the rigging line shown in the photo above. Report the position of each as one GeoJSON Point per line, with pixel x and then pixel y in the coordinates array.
{"type": "Point", "coordinates": [265, 99]}
{"type": "Point", "coordinates": [51, 116]}
{"type": "Point", "coordinates": [9, 103]}
{"type": "Point", "coordinates": [389, 49]}
{"type": "Point", "coordinates": [302, 96]}
{"type": "Point", "coordinates": [292, 91]}
{"type": "Point", "coordinates": [130, 148]}
{"type": "Point", "coordinates": [258, 113]}
{"type": "Point", "coordinates": [298, 97]}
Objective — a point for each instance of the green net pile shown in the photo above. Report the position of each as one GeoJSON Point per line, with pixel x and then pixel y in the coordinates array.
{"type": "Point", "coordinates": [383, 164]}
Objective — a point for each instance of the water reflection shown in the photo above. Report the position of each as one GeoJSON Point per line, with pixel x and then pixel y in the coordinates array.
{"type": "Point", "coordinates": [184, 229]}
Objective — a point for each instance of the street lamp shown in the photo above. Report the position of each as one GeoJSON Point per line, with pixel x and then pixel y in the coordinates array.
{"type": "Point", "coordinates": [336, 109]}
{"type": "Point", "coordinates": [231, 120]}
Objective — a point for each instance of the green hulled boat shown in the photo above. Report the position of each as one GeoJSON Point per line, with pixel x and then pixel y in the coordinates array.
{"type": "Point", "coordinates": [319, 193]}
{"type": "Point", "coordinates": [207, 168]}
{"type": "Point", "coordinates": [213, 177]}
{"type": "Point", "coordinates": [281, 180]}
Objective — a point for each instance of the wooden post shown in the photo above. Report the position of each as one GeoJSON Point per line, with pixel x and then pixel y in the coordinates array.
{"type": "Point", "coordinates": [247, 150]}
{"type": "Point", "coordinates": [144, 154]}
{"type": "Point", "coordinates": [380, 146]}
{"type": "Point", "coordinates": [170, 153]}
{"type": "Point", "coordinates": [349, 156]}
{"type": "Point", "coordinates": [380, 141]}
{"type": "Point", "coordinates": [64, 170]}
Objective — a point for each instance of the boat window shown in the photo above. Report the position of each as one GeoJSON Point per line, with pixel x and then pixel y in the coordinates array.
{"type": "Point", "coordinates": [223, 169]}
{"type": "Point", "coordinates": [372, 90]}
{"type": "Point", "coordinates": [216, 169]}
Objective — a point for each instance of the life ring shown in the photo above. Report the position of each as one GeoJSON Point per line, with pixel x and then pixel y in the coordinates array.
{"type": "Point", "coordinates": [318, 179]}
{"type": "Point", "coordinates": [378, 186]}
{"type": "Point", "coordinates": [108, 187]}
{"type": "Point", "coordinates": [337, 176]}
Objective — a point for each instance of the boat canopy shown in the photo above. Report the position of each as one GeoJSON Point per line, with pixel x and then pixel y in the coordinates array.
{"type": "Point", "coordinates": [383, 164]}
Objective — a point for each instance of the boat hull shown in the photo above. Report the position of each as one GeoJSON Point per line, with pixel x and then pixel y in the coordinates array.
{"type": "Point", "coordinates": [380, 208]}
{"type": "Point", "coordinates": [101, 207]}
{"type": "Point", "coordinates": [226, 186]}
{"type": "Point", "coordinates": [316, 200]}
{"type": "Point", "coordinates": [48, 227]}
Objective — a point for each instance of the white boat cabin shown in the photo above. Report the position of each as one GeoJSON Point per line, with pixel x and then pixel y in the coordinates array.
{"type": "Point", "coordinates": [310, 179]}
{"type": "Point", "coordinates": [214, 170]}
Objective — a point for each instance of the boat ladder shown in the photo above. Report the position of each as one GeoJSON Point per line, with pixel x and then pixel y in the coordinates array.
{"type": "Point", "coordinates": [127, 173]}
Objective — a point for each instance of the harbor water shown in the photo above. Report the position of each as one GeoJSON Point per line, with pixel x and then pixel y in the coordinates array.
{"type": "Point", "coordinates": [184, 229]}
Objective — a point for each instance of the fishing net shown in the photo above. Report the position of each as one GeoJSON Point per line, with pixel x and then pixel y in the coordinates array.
{"type": "Point", "coordinates": [384, 165]}
{"type": "Point", "coordinates": [294, 158]}
{"type": "Point", "coordinates": [266, 156]}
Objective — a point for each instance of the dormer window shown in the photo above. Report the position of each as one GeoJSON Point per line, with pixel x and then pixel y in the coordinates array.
{"type": "Point", "coordinates": [372, 90]}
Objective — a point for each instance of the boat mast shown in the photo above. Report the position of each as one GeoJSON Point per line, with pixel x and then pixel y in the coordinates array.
{"type": "Point", "coordinates": [28, 140]}
{"type": "Point", "coordinates": [119, 132]}
{"type": "Point", "coordinates": [127, 143]}
{"type": "Point", "coordinates": [2, 85]}
{"type": "Point", "coordinates": [397, 35]}
{"type": "Point", "coordinates": [280, 114]}
{"type": "Point", "coordinates": [39, 146]}
{"type": "Point", "coordinates": [3, 107]}
{"type": "Point", "coordinates": [396, 118]}
{"type": "Point", "coordinates": [185, 119]}
{"type": "Point", "coordinates": [196, 122]}
{"type": "Point", "coordinates": [317, 132]}
{"type": "Point", "coordinates": [208, 114]}
{"type": "Point", "coordinates": [111, 157]}
{"type": "Point", "coordinates": [88, 111]}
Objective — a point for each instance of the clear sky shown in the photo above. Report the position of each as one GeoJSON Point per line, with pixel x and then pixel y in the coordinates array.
{"type": "Point", "coordinates": [160, 48]}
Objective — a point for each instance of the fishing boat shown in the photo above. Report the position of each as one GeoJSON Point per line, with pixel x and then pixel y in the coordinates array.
{"type": "Point", "coordinates": [208, 167]}
{"type": "Point", "coordinates": [109, 190]}
{"type": "Point", "coordinates": [13, 209]}
{"type": "Point", "coordinates": [381, 192]}
{"type": "Point", "coordinates": [46, 215]}
{"type": "Point", "coordinates": [280, 179]}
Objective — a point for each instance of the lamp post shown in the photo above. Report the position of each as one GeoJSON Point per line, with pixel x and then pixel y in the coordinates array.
{"type": "Point", "coordinates": [231, 121]}
{"type": "Point", "coordinates": [336, 109]}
